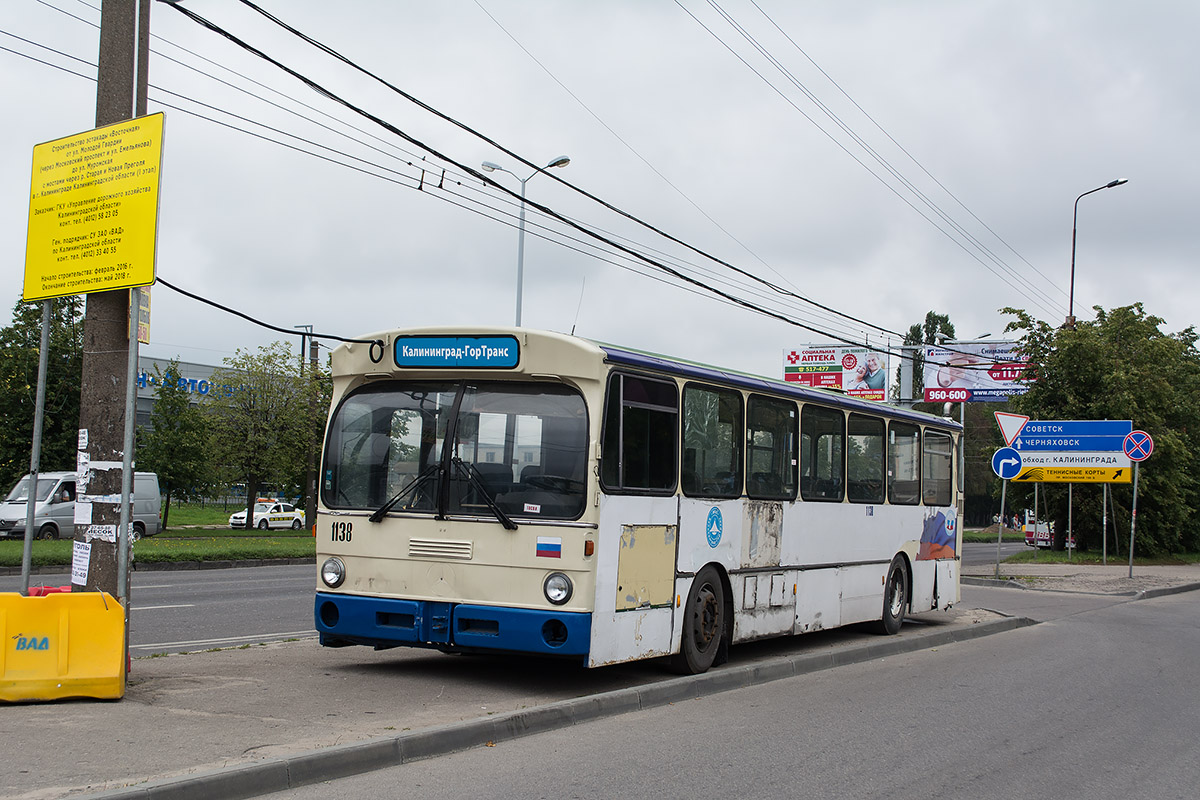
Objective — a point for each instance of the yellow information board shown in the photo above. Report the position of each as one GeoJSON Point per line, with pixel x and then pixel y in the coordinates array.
{"type": "Point", "coordinates": [93, 210]}
{"type": "Point", "coordinates": [1075, 475]}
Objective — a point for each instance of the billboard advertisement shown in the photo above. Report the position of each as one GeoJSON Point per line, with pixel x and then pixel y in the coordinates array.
{"type": "Point", "coordinates": [857, 371]}
{"type": "Point", "coordinates": [972, 372]}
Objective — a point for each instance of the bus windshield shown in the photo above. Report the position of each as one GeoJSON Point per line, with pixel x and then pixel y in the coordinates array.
{"type": "Point", "coordinates": [459, 448]}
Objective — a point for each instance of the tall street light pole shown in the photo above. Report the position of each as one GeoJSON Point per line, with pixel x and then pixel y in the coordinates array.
{"type": "Point", "coordinates": [488, 166]}
{"type": "Point", "coordinates": [1070, 323]}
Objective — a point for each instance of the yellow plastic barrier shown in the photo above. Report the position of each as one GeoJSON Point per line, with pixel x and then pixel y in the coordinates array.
{"type": "Point", "coordinates": [61, 645]}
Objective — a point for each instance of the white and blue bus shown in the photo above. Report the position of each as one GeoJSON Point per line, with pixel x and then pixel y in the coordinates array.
{"type": "Point", "coordinates": [510, 490]}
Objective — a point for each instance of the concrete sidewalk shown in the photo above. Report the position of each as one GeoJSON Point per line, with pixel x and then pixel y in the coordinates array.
{"type": "Point", "coordinates": [251, 720]}
{"type": "Point", "coordinates": [247, 721]}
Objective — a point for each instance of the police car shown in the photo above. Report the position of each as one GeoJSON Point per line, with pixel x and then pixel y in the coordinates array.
{"type": "Point", "coordinates": [270, 514]}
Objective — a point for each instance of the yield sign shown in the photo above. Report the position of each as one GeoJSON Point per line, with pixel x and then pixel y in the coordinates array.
{"type": "Point", "coordinates": [1010, 425]}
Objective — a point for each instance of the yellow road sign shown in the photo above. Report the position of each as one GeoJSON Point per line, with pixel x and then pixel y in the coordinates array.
{"type": "Point", "coordinates": [93, 210]}
{"type": "Point", "coordinates": [143, 323]}
{"type": "Point", "coordinates": [1074, 475]}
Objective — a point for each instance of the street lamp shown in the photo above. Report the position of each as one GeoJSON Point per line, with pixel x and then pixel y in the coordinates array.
{"type": "Point", "coordinates": [488, 166]}
{"type": "Point", "coordinates": [1070, 323]}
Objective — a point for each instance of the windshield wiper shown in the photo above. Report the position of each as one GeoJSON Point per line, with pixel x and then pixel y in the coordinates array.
{"type": "Point", "coordinates": [422, 476]}
{"type": "Point", "coordinates": [473, 477]}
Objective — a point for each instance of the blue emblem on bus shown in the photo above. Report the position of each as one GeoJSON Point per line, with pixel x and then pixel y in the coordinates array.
{"type": "Point", "coordinates": [714, 527]}
{"type": "Point", "coordinates": [457, 352]}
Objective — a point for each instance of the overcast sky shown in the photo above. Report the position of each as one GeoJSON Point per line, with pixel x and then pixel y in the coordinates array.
{"type": "Point", "coordinates": [988, 119]}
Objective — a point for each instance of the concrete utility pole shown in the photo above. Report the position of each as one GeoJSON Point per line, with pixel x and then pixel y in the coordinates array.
{"type": "Point", "coordinates": [314, 445]}
{"type": "Point", "coordinates": [120, 95]}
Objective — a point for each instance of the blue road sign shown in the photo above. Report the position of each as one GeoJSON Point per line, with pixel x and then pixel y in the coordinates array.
{"type": "Point", "coordinates": [1077, 427]}
{"type": "Point", "coordinates": [1006, 463]}
{"type": "Point", "coordinates": [1088, 436]}
{"type": "Point", "coordinates": [1088, 444]}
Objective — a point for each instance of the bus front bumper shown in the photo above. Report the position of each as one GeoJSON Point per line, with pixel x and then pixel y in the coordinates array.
{"type": "Point", "coordinates": [343, 619]}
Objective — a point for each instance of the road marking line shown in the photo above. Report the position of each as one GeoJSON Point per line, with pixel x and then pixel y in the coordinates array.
{"type": "Point", "coordinates": [152, 608]}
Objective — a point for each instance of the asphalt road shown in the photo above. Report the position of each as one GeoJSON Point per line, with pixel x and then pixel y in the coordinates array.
{"type": "Point", "coordinates": [1094, 704]}
{"type": "Point", "coordinates": [974, 553]}
{"type": "Point", "coordinates": [177, 611]}
{"type": "Point", "coordinates": [186, 610]}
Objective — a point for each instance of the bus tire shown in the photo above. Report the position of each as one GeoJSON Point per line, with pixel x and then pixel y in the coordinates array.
{"type": "Point", "coordinates": [47, 531]}
{"type": "Point", "coordinates": [895, 598]}
{"type": "Point", "coordinates": [703, 624]}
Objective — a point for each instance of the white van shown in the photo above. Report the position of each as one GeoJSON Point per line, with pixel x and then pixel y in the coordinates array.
{"type": "Point", "coordinates": [54, 514]}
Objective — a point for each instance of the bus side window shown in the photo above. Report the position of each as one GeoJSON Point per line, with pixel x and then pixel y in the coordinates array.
{"type": "Point", "coordinates": [771, 448]}
{"type": "Point", "coordinates": [936, 470]}
{"type": "Point", "coordinates": [823, 457]}
{"type": "Point", "coordinates": [712, 431]}
{"type": "Point", "coordinates": [864, 459]}
{"type": "Point", "coordinates": [904, 464]}
{"type": "Point", "coordinates": [639, 444]}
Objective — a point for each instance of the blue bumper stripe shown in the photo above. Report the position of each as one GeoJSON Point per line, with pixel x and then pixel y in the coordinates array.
{"type": "Point", "coordinates": [342, 618]}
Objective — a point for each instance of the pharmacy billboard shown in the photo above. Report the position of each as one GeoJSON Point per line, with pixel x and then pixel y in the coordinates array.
{"type": "Point", "coordinates": [857, 371]}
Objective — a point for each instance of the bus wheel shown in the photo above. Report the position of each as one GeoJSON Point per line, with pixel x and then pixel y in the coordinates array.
{"type": "Point", "coordinates": [703, 624]}
{"type": "Point", "coordinates": [895, 598]}
{"type": "Point", "coordinates": [47, 531]}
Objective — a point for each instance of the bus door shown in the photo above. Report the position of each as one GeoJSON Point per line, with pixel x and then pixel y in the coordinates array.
{"type": "Point", "coordinates": [635, 579]}
{"type": "Point", "coordinates": [634, 609]}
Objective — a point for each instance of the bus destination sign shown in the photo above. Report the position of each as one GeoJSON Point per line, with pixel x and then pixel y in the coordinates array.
{"type": "Point", "coordinates": [457, 352]}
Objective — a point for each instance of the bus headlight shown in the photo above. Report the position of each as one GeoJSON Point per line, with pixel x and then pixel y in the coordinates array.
{"type": "Point", "coordinates": [557, 588]}
{"type": "Point", "coordinates": [333, 572]}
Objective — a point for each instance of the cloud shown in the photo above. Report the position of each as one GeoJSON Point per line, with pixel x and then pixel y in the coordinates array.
{"type": "Point", "coordinates": [1015, 108]}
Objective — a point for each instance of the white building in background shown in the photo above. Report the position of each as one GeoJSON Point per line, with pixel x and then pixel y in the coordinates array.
{"type": "Point", "coordinates": [196, 378]}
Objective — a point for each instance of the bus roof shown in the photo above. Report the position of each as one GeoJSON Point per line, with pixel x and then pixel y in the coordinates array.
{"type": "Point", "coordinates": [643, 360]}
{"type": "Point", "coordinates": [629, 357]}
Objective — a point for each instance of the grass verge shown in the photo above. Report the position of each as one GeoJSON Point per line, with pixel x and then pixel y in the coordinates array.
{"type": "Point", "coordinates": [1045, 556]}
{"type": "Point", "coordinates": [198, 548]}
{"type": "Point", "coordinates": [984, 536]}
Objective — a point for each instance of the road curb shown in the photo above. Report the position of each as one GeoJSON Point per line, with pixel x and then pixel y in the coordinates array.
{"type": "Point", "coordinates": [1147, 594]}
{"type": "Point", "coordinates": [996, 583]}
{"type": "Point", "coordinates": [339, 761]}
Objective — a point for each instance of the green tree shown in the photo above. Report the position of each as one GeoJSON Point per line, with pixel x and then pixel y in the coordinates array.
{"type": "Point", "coordinates": [1122, 366]}
{"type": "Point", "coordinates": [19, 344]}
{"type": "Point", "coordinates": [261, 424]}
{"type": "Point", "coordinates": [317, 385]}
{"type": "Point", "coordinates": [176, 444]}
{"type": "Point", "coordinates": [937, 328]}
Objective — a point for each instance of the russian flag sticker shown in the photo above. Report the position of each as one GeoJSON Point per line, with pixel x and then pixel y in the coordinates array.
{"type": "Point", "coordinates": [549, 547]}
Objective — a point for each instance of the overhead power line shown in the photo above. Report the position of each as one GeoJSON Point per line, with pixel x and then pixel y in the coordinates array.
{"type": "Point", "coordinates": [695, 285]}
{"type": "Point", "coordinates": [473, 132]}
{"type": "Point", "coordinates": [936, 210]}
{"type": "Point", "coordinates": [904, 150]}
{"type": "Point", "coordinates": [542, 208]}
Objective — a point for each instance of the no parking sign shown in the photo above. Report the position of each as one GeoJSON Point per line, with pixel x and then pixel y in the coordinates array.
{"type": "Point", "coordinates": [1138, 446]}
